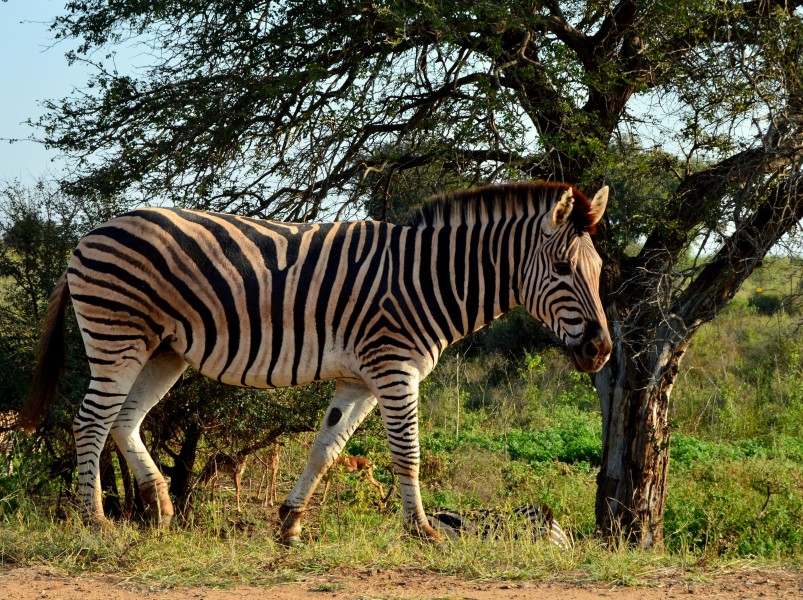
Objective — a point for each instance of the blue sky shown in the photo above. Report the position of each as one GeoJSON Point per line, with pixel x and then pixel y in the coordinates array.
{"type": "Point", "coordinates": [32, 69]}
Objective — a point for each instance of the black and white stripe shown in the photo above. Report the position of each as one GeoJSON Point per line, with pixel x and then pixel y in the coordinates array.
{"type": "Point", "coordinates": [534, 520]}
{"type": "Point", "coordinates": [370, 304]}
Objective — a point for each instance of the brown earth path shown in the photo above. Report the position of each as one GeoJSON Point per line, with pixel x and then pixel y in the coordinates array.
{"type": "Point", "coordinates": [24, 583]}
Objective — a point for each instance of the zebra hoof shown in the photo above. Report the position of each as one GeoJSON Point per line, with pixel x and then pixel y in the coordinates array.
{"type": "Point", "coordinates": [292, 541]}
{"type": "Point", "coordinates": [156, 520]}
{"type": "Point", "coordinates": [427, 533]}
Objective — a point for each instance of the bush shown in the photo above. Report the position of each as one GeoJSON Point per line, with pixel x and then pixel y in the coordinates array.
{"type": "Point", "coordinates": [746, 506]}
{"type": "Point", "coordinates": [767, 303]}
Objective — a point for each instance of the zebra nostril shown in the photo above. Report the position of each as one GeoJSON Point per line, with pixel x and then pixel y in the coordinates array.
{"type": "Point", "coordinates": [595, 344]}
{"type": "Point", "coordinates": [591, 349]}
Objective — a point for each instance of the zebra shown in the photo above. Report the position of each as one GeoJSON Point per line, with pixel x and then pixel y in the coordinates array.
{"type": "Point", "coordinates": [265, 304]}
{"type": "Point", "coordinates": [538, 519]}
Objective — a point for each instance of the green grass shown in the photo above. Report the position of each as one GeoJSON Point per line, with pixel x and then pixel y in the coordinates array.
{"type": "Point", "coordinates": [349, 539]}
{"type": "Point", "coordinates": [527, 431]}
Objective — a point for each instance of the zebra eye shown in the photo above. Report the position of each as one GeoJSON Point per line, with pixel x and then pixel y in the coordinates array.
{"type": "Point", "coordinates": [562, 268]}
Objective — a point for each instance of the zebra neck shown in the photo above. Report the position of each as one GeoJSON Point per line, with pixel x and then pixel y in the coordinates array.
{"type": "Point", "coordinates": [466, 275]}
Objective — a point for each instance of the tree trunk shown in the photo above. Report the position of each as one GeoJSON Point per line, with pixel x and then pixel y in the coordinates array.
{"type": "Point", "coordinates": [132, 504]}
{"type": "Point", "coordinates": [634, 390]}
{"type": "Point", "coordinates": [112, 504]}
{"type": "Point", "coordinates": [181, 473]}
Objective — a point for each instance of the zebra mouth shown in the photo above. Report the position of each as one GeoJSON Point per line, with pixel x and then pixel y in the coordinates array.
{"type": "Point", "coordinates": [589, 364]}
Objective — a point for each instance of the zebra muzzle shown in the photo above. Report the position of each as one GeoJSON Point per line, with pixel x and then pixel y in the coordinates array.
{"type": "Point", "coordinates": [593, 351]}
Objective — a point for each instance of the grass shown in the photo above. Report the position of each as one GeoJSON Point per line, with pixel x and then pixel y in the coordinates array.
{"type": "Point", "coordinates": [715, 516]}
{"type": "Point", "coordinates": [195, 557]}
{"type": "Point", "coordinates": [527, 431]}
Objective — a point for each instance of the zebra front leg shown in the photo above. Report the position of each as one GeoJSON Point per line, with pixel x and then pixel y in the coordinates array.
{"type": "Point", "coordinates": [351, 404]}
{"type": "Point", "coordinates": [398, 404]}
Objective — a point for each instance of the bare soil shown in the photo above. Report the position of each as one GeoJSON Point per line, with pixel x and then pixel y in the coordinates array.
{"type": "Point", "coordinates": [23, 583]}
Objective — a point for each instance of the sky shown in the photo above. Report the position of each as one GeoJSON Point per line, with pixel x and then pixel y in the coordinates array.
{"type": "Point", "coordinates": [33, 69]}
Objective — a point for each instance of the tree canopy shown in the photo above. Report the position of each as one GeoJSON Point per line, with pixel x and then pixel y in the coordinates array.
{"type": "Point", "coordinates": [279, 108]}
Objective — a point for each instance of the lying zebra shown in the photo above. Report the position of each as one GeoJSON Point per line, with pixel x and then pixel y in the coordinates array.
{"type": "Point", "coordinates": [488, 523]}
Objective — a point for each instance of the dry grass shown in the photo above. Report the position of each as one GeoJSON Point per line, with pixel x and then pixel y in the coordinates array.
{"type": "Point", "coordinates": [233, 548]}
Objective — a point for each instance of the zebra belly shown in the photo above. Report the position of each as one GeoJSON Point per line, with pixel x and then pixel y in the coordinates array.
{"type": "Point", "coordinates": [289, 368]}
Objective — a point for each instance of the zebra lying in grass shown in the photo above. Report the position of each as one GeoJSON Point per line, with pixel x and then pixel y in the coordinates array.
{"type": "Point", "coordinates": [536, 519]}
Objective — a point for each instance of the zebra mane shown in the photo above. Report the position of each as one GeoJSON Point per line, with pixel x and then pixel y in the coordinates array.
{"type": "Point", "coordinates": [470, 206]}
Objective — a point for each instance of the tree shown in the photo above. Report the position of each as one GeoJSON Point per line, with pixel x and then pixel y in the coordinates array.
{"type": "Point", "coordinates": [309, 109]}
{"type": "Point", "coordinates": [37, 233]}
{"type": "Point", "coordinates": [39, 226]}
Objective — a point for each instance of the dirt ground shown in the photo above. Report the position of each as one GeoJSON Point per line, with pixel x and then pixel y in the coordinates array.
{"type": "Point", "coordinates": [43, 583]}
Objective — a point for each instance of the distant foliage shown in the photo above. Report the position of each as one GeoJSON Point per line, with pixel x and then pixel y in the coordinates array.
{"type": "Point", "coordinates": [772, 303]}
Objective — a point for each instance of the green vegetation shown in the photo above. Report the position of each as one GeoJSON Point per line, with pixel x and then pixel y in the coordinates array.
{"type": "Point", "coordinates": [528, 430]}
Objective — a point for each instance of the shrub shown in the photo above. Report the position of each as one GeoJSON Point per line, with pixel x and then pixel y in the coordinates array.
{"type": "Point", "coordinates": [767, 303]}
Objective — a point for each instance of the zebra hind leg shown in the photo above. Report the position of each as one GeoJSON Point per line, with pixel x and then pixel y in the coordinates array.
{"type": "Point", "coordinates": [351, 404]}
{"type": "Point", "coordinates": [156, 378]}
{"type": "Point", "coordinates": [107, 392]}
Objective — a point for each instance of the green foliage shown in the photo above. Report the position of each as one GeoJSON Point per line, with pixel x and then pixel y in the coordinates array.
{"type": "Point", "coordinates": [742, 377]}
{"type": "Point", "coordinates": [768, 304]}
{"type": "Point", "coordinates": [736, 506]}
{"type": "Point", "coordinates": [37, 233]}
{"type": "Point", "coordinates": [577, 440]}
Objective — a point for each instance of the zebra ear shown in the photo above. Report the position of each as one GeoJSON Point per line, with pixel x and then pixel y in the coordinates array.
{"type": "Point", "coordinates": [598, 205]}
{"type": "Point", "coordinates": [563, 208]}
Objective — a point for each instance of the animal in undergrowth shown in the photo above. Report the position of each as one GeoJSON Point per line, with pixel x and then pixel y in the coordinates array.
{"type": "Point", "coordinates": [233, 466]}
{"type": "Point", "coordinates": [264, 304]}
{"type": "Point", "coordinates": [220, 464]}
{"type": "Point", "coordinates": [355, 465]}
{"type": "Point", "coordinates": [536, 520]}
{"type": "Point", "coordinates": [271, 462]}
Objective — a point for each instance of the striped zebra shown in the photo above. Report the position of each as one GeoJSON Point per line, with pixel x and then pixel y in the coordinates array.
{"type": "Point", "coordinates": [264, 304]}
{"type": "Point", "coordinates": [537, 520]}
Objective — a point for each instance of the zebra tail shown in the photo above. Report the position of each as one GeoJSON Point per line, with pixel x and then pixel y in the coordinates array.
{"type": "Point", "coordinates": [51, 355]}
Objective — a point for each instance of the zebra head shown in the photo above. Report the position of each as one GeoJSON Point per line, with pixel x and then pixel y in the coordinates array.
{"type": "Point", "coordinates": [564, 279]}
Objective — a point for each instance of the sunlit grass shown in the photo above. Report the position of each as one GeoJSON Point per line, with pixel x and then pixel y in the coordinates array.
{"type": "Point", "coordinates": [355, 539]}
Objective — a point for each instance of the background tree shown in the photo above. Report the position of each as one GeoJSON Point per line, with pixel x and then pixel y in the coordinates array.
{"type": "Point", "coordinates": [39, 226]}
{"type": "Point", "coordinates": [310, 109]}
